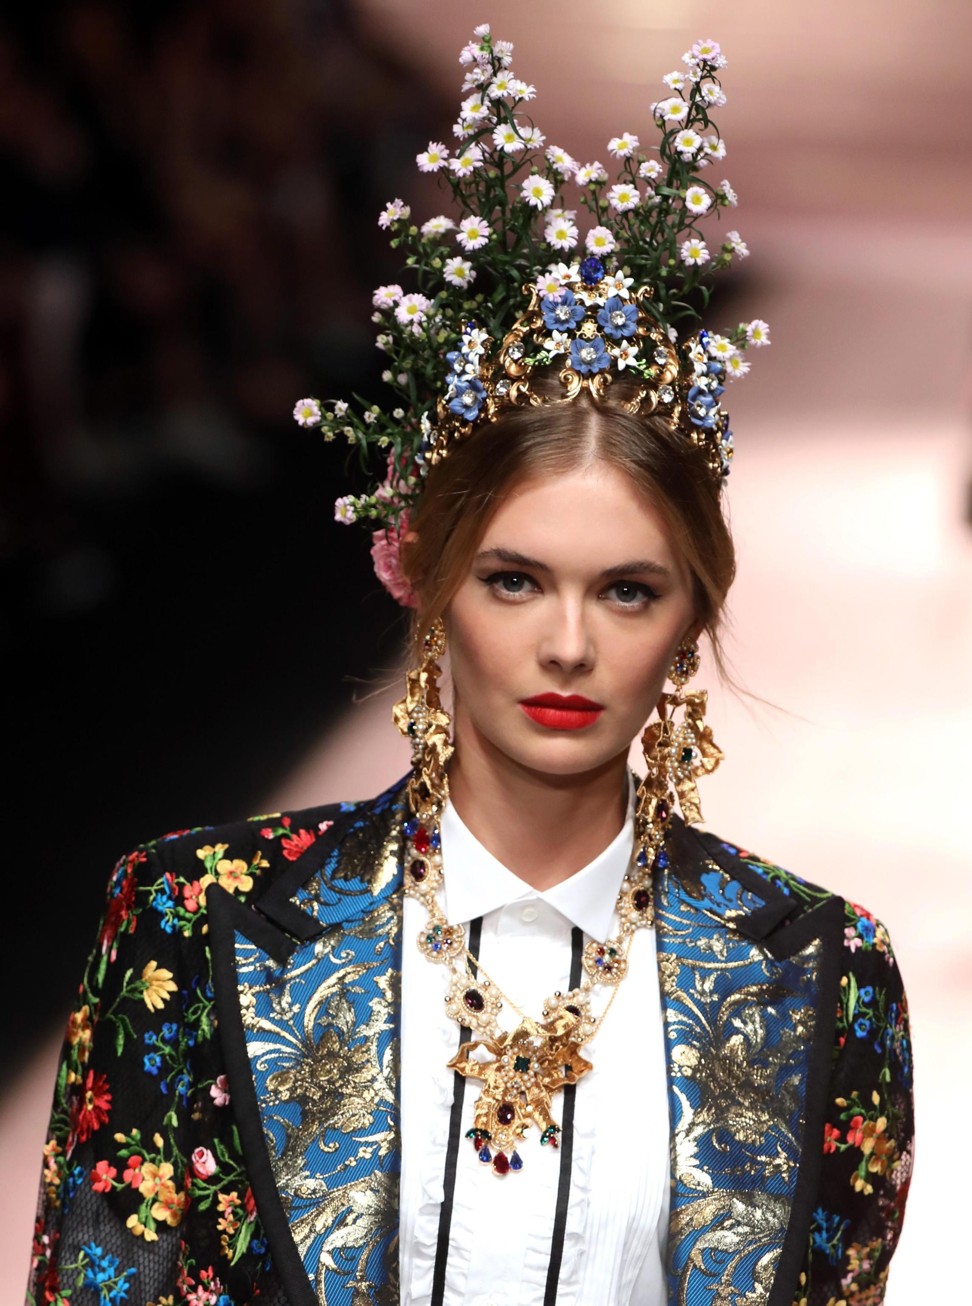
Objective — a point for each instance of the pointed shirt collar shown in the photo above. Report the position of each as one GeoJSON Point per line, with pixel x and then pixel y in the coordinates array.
{"type": "Point", "coordinates": [476, 883]}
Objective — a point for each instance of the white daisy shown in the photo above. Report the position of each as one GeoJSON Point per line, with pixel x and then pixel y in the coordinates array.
{"type": "Point", "coordinates": [709, 52]}
{"type": "Point", "coordinates": [476, 76]}
{"type": "Point", "coordinates": [698, 200]}
{"type": "Point", "coordinates": [437, 226]}
{"type": "Point", "coordinates": [732, 198]}
{"type": "Point", "coordinates": [369, 417]}
{"type": "Point", "coordinates": [307, 412]}
{"type": "Point", "coordinates": [599, 240]}
{"type": "Point", "coordinates": [738, 245]}
{"type": "Point", "coordinates": [340, 408]}
{"type": "Point", "coordinates": [466, 161]}
{"type": "Point", "coordinates": [386, 296]}
{"type": "Point", "coordinates": [674, 81]}
{"type": "Point", "coordinates": [561, 234]}
{"type": "Point", "coordinates": [503, 50]}
{"type": "Point", "coordinates": [473, 110]}
{"type": "Point", "coordinates": [481, 30]}
{"type": "Point", "coordinates": [713, 94]}
{"type": "Point", "coordinates": [499, 87]}
{"type": "Point", "coordinates": [623, 146]}
{"type": "Point", "coordinates": [687, 143]}
{"type": "Point", "coordinates": [473, 233]}
{"type": "Point", "coordinates": [433, 157]}
{"type": "Point", "coordinates": [537, 191]}
{"type": "Point", "coordinates": [459, 272]}
{"type": "Point", "coordinates": [590, 174]}
{"type": "Point", "coordinates": [522, 91]}
{"type": "Point", "coordinates": [757, 333]}
{"type": "Point", "coordinates": [623, 197]}
{"type": "Point", "coordinates": [550, 285]}
{"type": "Point", "coordinates": [344, 510]}
{"type": "Point", "coordinates": [672, 110]}
{"type": "Point", "coordinates": [694, 252]}
{"type": "Point", "coordinates": [720, 347]}
{"type": "Point", "coordinates": [560, 161]}
{"type": "Point", "coordinates": [412, 309]}
{"type": "Point", "coordinates": [531, 136]}
{"type": "Point", "coordinates": [715, 148]}
{"type": "Point", "coordinates": [650, 169]}
{"type": "Point", "coordinates": [736, 366]}
{"type": "Point", "coordinates": [393, 211]}
{"type": "Point", "coordinates": [507, 138]}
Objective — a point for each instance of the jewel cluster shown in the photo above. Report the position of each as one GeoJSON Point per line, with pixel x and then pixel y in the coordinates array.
{"type": "Point", "coordinates": [519, 207]}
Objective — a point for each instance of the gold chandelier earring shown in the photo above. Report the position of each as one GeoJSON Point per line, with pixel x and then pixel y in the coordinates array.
{"type": "Point", "coordinates": [677, 752]}
{"type": "Point", "coordinates": [423, 720]}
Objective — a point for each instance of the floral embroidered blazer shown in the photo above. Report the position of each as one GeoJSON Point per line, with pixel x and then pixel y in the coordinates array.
{"type": "Point", "coordinates": [225, 1122]}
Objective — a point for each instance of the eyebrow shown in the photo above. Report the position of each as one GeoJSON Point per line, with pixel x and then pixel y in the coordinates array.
{"type": "Point", "coordinates": [637, 566]}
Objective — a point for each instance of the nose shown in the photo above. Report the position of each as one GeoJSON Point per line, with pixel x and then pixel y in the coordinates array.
{"type": "Point", "coordinates": [566, 641]}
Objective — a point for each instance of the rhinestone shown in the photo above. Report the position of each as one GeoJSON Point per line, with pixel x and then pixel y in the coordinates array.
{"type": "Point", "coordinates": [563, 313]}
{"type": "Point", "coordinates": [641, 899]}
{"type": "Point", "coordinates": [521, 1063]}
{"type": "Point", "coordinates": [666, 394]}
{"type": "Point", "coordinates": [470, 399]}
{"type": "Point", "coordinates": [516, 1162]}
{"type": "Point", "coordinates": [505, 1113]}
{"type": "Point", "coordinates": [618, 317]}
{"type": "Point", "coordinates": [588, 354]}
{"type": "Point", "coordinates": [501, 1163]}
{"type": "Point", "coordinates": [418, 870]}
{"type": "Point", "coordinates": [474, 1000]}
{"type": "Point", "coordinates": [502, 387]}
{"type": "Point", "coordinates": [660, 355]}
{"type": "Point", "coordinates": [515, 352]}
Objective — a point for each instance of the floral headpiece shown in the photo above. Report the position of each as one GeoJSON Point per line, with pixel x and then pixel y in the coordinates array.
{"type": "Point", "coordinates": [462, 349]}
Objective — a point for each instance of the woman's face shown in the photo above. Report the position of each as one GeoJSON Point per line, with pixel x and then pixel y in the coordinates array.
{"type": "Point", "coordinates": [562, 633]}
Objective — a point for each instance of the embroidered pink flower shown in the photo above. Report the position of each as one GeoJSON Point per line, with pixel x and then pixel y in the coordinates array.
{"type": "Point", "coordinates": [219, 1091]}
{"type": "Point", "coordinates": [386, 548]}
{"type": "Point", "coordinates": [203, 1163]}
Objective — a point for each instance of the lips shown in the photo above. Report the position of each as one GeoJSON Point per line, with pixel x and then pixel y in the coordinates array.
{"type": "Point", "coordinates": [562, 711]}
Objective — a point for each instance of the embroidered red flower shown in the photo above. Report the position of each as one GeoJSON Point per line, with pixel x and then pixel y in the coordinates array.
{"type": "Point", "coordinates": [831, 1138]}
{"type": "Point", "coordinates": [855, 1133]}
{"type": "Point", "coordinates": [298, 843]}
{"type": "Point", "coordinates": [101, 1177]}
{"type": "Point", "coordinates": [133, 1171]}
{"type": "Point", "coordinates": [93, 1107]}
{"type": "Point", "coordinates": [119, 910]}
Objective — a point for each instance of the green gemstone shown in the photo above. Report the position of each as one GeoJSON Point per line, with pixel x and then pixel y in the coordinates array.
{"type": "Point", "coordinates": [521, 1063]}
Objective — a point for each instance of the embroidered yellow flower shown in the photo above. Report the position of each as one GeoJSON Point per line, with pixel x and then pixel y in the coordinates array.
{"type": "Point", "coordinates": [233, 875]}
{"type": "Point", "coordinates": [154, 1177]}
{"type": "Point", "coordinates": [159, 985]}
{"type": "Point", "coordinates": [169, 1205]}
{"type": "Point", "coordinates": [139, 1230]}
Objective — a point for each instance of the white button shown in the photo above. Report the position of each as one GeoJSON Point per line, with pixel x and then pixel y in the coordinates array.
{"type": "Point", "coordinates": [529, 915]}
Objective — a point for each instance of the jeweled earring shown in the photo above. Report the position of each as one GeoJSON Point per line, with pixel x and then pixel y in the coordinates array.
{"type": "Point", "coordinates": [676, 754]}
{"type": "Point", "coordinates": [423, 720]}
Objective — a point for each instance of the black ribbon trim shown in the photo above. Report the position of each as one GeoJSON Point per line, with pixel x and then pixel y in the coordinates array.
{"type": "Point", "coordinates": [566, 1149]}
{"type": "Point", "coordinates": [452, 1151]}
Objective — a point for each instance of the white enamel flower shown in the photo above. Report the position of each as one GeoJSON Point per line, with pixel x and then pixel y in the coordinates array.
{"type": "Point", "coordinates": [473, 233]}
{"type": "Point", "coordinates": [537, 191]}
{"type": "Point", "coordinates": [386, 296]}
{"type": "Point", "coordinates": [561, 161]}
{"type": "Point", "coordinates": [623, 146]}
{"type": "Point", "coordinates": [623, 197]}
{"type": "Point", "coordinates": [688, 143]}
{"type": "Point", "coordinates": [569, 273]}
{"type": "Point", "coordinates": [599, 240]}
{"type": "Point", "coordinates": [673, 109]}
{"type": "Point", "coordinates": [558, 342]}
{"type": "Point", "coordinates": [434, 157]}
{"type": "Point", "coordinates": [507, 138]}
{"type": "Point", "coordinates": [694, 252]}
{"type": "Point", "coordinates": [561, 234]}
{"type": "Point", "coordinates": [618, 284]}
{"type": "Point", "coordinates": [627, 353]}
{"type": "Point", "coordinates": [459, 271]}
{"type": "Point", "coordinates": [474, 342]}
{"type": "Point", "coordinates": [698, 200]}
{"type": "Point", "coordinates": [437, 226]}
{"type": "Point", "coordinates": [466, 161]}
{"type": "Point", "coordinates": [307, 412]}
{"type": "Point", "coordinates": [757, 332]}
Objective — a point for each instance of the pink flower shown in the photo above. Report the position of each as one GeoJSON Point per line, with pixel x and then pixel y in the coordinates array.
{"type": "Point", "coordinates": [386, 556]}
{"type": "Point", "coordinates": [219, 1091]}
{"type": "Point", "coordinates": [203, 1163]}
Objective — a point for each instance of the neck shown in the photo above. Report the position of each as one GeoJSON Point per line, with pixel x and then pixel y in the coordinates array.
{"type": "Point", "coordinates": [542, 827]}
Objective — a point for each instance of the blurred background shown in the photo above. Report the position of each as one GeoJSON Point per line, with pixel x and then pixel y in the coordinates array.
{"type": "Point", "coordinates": [188, 244]}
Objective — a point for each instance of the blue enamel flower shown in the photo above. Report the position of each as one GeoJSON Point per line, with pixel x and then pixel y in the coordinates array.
{"type": "Point", "coordinates": [561, 314]}
{"type": "Point", "coordinates": [587, 356]}
{"type": "Point", "coordinates": [468, 398]}
{"type": "Point", "coordinates": [703, 407]}
{"type": "Point", "coordinates": [618, 319]}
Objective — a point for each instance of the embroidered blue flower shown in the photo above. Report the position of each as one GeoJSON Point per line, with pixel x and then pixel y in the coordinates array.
{"type": "Point", "coordinates": [468, 398]}
{"type": "Point", "coordinates": [866, 993]}
{"type": "Point", "coordinates": [561, 314]}
{"type": "Point", "coordinates": [152, 1062]}
{"type": "Point", "coordinates": [588, 356]}
{"type": "Point", "coordinates": [618, 319]}
{"type": "Point", "coordinates": [862, 1027]}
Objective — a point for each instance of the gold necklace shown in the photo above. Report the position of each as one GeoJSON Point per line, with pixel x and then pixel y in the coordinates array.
{"type": "Point", "coordinates": [532, 1062]}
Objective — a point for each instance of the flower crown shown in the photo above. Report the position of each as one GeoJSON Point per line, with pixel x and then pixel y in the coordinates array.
{"type": "Point", "coordinates": [462, 349]}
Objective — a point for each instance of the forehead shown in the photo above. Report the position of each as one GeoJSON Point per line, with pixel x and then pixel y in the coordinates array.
{"type": "Point", "coordinates": [594, 512]}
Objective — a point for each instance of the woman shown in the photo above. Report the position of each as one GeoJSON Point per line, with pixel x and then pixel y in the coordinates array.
{"type": "Point", "coordinates": [512, 1031]}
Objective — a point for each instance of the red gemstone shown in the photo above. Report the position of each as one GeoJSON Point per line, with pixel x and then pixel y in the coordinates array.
{"type": "Point", "coordinates": [501, 1163]}
{"type": "Point", "coordinates": [552, 1140]}
{"type": "Point", "coordinates": [474, 1000]}
{"type": "Point", "coordinates": [418, 870]}
{"type": "Point", "coordinates": [420, 840]}
{"type": "Point", "coordinates": [662, 811]}
{"type": "Point", "coordinates": [641, 899]}
{"type": "Point", "coordinates": [504, 1113]}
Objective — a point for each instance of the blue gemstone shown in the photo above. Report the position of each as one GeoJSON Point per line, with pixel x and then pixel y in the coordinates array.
{"type": "Point", "coordinates": [662, 860]}
{"type": "Point", "coordinates": [642, 858]}
{"type": "Point", "coordinates": [485, 1155]}
{"type": "Point", "coordinates": [436, 840]}
{"type": "Point", "coordinates": [516, 1161]}
{"type": "Point", "coordinates": [411, 828]}
{"type": "Point", "coordinates": [592, 271]}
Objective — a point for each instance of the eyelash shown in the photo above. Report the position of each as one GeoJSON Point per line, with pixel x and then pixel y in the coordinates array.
{"type": "Point", "coordinates": [495, 581]}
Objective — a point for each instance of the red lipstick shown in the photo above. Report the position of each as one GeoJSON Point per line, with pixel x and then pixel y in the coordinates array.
{"type": "Point", "coordinates": [562, 711]}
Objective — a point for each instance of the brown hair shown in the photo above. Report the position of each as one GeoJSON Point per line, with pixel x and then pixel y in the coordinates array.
{"type": "Point", "coordinates": [464, 491]}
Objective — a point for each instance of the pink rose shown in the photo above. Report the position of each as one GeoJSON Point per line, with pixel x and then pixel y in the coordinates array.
{"type": "Point", "coordinates": [219, 1091]}
{"type": "Point", "coordinates": [203, 1163]}
{"type": "Point", "coordinates": [386, 555]}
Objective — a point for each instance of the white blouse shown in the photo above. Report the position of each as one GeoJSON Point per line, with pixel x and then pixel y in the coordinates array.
{"type": "Point", "coordinates": [500, 1246]}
